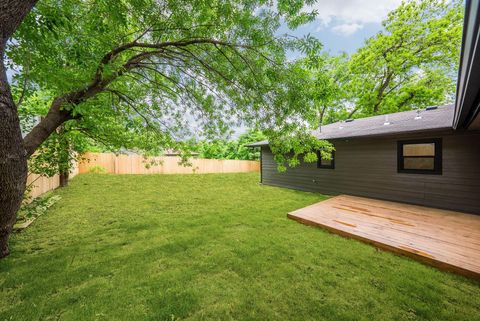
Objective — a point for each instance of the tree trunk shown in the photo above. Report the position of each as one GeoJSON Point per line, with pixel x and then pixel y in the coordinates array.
{"type": "Point", "coordinates": [13, 161]}
{"type": "Point", "coordinates": [13, 158]}
{"type": "Point", "coordinates": [321, 116]}
{"type": "Point", "coordinates": [64, 178]}
{"type": "Point", "coordinates": [54, 118]}
{"type": "Point", "coordinates": [63, 152]}
{"type": "Point", "coordinates": [381, 91]}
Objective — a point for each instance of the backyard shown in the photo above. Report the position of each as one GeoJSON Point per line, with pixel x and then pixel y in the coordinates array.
{"type": "Point", "coordinates": [209, 247]}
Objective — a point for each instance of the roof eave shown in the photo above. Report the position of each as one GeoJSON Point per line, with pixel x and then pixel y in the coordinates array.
{"type": "Point", "coordinates": [397, 133]}
{"type": "Point", "coordinates": [413, 132]}
{"type": "Point", "coordinates": [467, 105]}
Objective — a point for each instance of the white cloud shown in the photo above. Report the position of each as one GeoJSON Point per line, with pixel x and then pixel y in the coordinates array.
{"type": "Point", "coordinates": [360, 11]}
{"type": "Point", "coordinates": [352, 15]}
{"type": "Point", "coordinates": [347, 29]}
{"type": "Point", "coordinates": [321, 25]}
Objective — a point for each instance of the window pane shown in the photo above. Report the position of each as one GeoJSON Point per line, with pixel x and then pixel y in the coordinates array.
{"type": "Point", "coordinates": [419, 163]}
{"type": "Point", "coordinates": [427, 149]}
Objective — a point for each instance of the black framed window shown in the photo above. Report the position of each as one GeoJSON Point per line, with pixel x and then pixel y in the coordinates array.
{"type": "Point", "coordinates": [421, 156]}
{"type": "Point", "coordinates": [326, 163]}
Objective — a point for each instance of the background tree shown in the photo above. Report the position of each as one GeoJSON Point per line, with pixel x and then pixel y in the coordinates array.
{"type": "Point", "coordinates": [411, 64]}
{"type": "Point", "coordinates": [231, 149]}
{"type": "Point", "coordinates": [328, 78]}
{"type": "Point", "coordinates": [141, 72]}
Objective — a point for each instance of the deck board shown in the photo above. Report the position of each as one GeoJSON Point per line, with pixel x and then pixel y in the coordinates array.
{"type": "Point", "coordinates": [446, 239]}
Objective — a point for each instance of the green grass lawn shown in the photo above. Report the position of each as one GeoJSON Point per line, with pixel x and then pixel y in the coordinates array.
{"type": "Point", "coordinates": [209, 247]}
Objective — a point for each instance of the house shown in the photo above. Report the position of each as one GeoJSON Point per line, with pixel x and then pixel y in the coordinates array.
{"type": "Point", "coordinates": [427, 157]}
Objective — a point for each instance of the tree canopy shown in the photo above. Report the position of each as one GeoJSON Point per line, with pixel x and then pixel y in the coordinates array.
{"type": "Point", "coordinates": [412, 63]}
{"type": "Point", "coordinates": [159, 69]}
{"type": "Point", "coordinates": [230, 149]}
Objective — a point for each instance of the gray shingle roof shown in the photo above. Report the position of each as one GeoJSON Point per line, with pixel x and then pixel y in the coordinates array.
{"type": "Point", "coordinates": [403, 122]}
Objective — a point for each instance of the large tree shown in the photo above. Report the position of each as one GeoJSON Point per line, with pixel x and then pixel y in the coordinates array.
{"type": "Point", "coordinates": [329, 76]}
{"type": "Point", "coordinates": [146, 70]}
{"type": "Point", "coordinates": [410, 64]}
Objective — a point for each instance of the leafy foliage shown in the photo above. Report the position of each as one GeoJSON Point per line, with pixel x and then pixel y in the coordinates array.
{"type": "Point", "coordinates": [228, 149]}
{"type": "Point", "coordinates": [327, 87]}
{"type": "Point", "coordinates": [58, 153]}
{"type": "Point", "coordinates": [288, 151]}
{"type": "Point", "coordinates": [412, 63]}
{"type": "Point", "coordinates": [63, 147]}
{"type": "Point", "coordinates": [132, 74]}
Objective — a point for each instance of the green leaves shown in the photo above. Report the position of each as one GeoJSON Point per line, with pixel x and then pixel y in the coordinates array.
{"type": "Point", "coordinates": [289, 150]}
{"type": "Point", "coordinates": [236, 149]}
{"type": "Point", "coordinates": [147, 75]}
{"type": "Point", "coordinates": [412, 64]}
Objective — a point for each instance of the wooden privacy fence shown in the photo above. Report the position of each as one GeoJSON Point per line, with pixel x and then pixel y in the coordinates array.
{"type": "Point", "coordinates": [136, 164]}
{"type": "Point", "coordinates": [41, 184]}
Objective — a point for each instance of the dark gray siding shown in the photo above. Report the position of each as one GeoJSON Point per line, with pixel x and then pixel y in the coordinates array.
{"type": "Point", "coordinates": [368, 167]}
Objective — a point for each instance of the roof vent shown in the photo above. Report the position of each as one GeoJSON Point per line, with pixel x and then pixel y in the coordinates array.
{"type": "Point", "coordinates": [349, 120]}
{"type": "Point", "coordinates": [417, 117]}
{"type": "Point", "coordinates": [431, 108]}
{"type": "Point", "coordinates": [386, 121]}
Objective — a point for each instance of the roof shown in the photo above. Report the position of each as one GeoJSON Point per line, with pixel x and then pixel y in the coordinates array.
{"type": "Point", "coordinates": [467, 108]}
{"type": "Point", "coordinates": [432, 118]}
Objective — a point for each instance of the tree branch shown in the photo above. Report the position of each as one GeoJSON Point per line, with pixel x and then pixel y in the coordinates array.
{"type": "Point", "coordinates": [55, 117]}
{"type": "Point", "coordinates": [58, 115]}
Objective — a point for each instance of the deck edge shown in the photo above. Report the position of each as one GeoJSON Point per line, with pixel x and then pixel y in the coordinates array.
{"type": "Point", "coordinates": [403, 252]}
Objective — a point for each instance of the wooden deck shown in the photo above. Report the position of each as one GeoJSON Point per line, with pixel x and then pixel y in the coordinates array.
{"type": "Point", "coordinates": [445, 239]}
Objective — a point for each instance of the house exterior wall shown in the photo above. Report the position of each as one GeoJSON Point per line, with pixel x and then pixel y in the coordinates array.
{"type": "Point", "coordinates": [368, 167]}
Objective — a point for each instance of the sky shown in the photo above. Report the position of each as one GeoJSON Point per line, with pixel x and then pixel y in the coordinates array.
{"type": "Point", "coordinates": [344, 25]}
